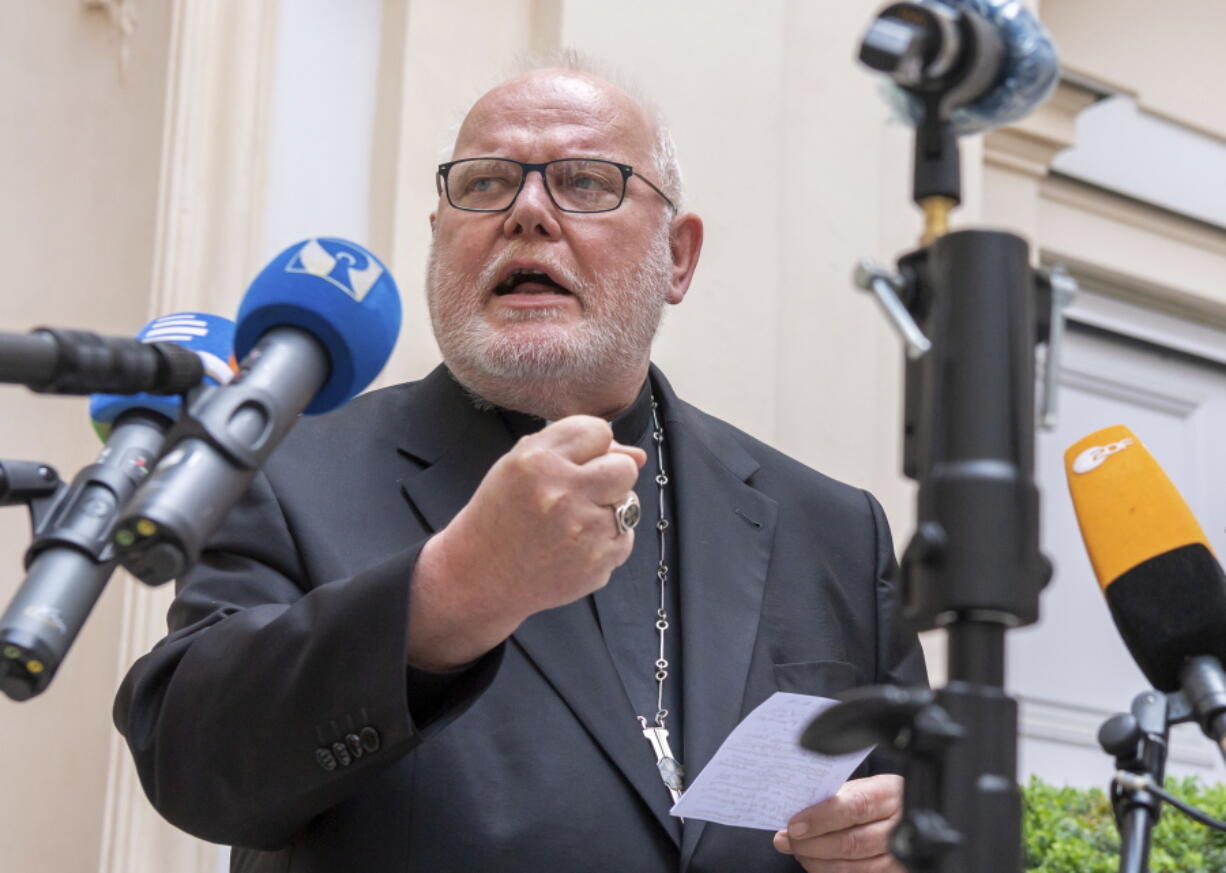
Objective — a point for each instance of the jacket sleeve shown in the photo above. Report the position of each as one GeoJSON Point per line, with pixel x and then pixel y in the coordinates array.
{"type": "Point", "coordinates": [900, 660]}
{"type": "Point", "coordinates": [272, 699]}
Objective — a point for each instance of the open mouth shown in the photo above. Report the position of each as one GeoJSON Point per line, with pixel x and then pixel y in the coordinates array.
{"type": "Point", "coordinates": [528, 281]}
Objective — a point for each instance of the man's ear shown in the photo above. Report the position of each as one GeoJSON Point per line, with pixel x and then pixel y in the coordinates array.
{"type": "Point", "coordinates": [685, 244]}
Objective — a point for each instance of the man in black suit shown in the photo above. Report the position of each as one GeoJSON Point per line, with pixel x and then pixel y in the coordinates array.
{"type": "Point", "coordinates": [430, 639]}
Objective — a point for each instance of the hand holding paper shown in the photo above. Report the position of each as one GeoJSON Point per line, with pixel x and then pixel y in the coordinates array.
{"type": "Point", "coordinates": [761, 777]}
{"type": "Point", "coordinates": [848, 832]}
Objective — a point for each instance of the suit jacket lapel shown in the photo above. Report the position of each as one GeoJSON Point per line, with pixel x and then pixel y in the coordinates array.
{"type": "Point", "coordinates": [566, 646]}
{"type": "Point", "coordinates": [725, 533]}
{"type": "Point", "coordinates": [459, 444]}
{"type": "Point", "coordinates": [454, 445]}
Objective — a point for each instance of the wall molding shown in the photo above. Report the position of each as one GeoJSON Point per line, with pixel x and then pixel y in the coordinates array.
{"type": "Point", "coordinates": [1103, 385]}
{"type": "Point", "coordinates": [1121, 209]}
{"type": "Point", "coordinates": [209, 222]}
{"type": "Point", "coordinates": [1070, 724]}
{"type": "Point", "coordinates": [1135, 251]}
{"type": "Point", "coordinates": [1100, 308]}
{"type": "Point", "coordinates": [1030, 144]}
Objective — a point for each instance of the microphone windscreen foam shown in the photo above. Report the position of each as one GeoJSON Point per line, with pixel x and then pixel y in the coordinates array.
{"type": "Point", "coordinates": [339, 293]}
{"type": "Point", "coordinates": [211, 337]}
{"type": "Point", "coordinates": [1164, 587]}
{"type": "Point", "coordinates": [1030, 71]}
{"type": "Point", "coordinates": [1171, 608]}
{"type": "Point", "coordinates": [1127, 508]}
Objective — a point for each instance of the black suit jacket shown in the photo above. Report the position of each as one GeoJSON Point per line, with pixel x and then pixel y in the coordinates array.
{"type": "Point", "coordinates": [278, 716]}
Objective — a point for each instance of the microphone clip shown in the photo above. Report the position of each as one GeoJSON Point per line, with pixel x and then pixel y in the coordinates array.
{"type": "Point", "coordinates": [946, 58]}
{"type": "Point", "coordinates": [32, 483]}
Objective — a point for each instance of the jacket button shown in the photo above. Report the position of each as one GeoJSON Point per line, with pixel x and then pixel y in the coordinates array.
{"type": "Point", "coordinates": [342, 754]}
{"type": "Point", "coordinates": [324, 758]}
{"type": "Point", "coordinates": [355, 745]}
{"type": "Point", "coordinates": [370, 739]}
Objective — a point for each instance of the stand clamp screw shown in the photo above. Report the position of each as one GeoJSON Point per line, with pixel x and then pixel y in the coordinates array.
{"type": "Point", "coordinates": [885, 285]}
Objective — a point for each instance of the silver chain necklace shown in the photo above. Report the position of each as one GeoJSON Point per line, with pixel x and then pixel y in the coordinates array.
{"type": "Point", "coordinates": [670, 768]}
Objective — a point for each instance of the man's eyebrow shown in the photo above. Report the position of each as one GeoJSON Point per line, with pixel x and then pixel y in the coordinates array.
{"type": "Point", "coordinates": [569, 156]}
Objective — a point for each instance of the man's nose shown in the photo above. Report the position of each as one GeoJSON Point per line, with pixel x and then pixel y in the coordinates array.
{"type": "Point", "coordinates": [533, 212]}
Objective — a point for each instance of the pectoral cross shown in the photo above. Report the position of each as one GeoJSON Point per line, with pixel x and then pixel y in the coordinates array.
{"type": "Point", "coordinates": [670, 768]}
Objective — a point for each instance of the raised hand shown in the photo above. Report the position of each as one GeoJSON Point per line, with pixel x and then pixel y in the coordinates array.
{"type": "Point", "coordinates": [538, 533]}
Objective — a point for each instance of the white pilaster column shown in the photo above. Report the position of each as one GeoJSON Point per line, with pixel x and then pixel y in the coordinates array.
{"type": "Point", "coordinates": [208, 236]}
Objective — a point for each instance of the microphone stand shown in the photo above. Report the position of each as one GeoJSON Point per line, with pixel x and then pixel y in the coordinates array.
{"type": "Point", "coordinates": [1139, 740]}
{"type": "Point", "coordinates": [71, 557]}
{"type": "Point", "coordinates": [971, 311]}
{"type": "Point", "coordinates": [23, 667]}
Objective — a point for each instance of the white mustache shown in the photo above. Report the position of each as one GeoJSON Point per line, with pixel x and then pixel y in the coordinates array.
{"type": "Point", "coordinates": [560, 273]}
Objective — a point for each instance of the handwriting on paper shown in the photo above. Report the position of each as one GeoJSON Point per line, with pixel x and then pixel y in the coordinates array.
{"type": "Point", "coordinates": [760, 777]}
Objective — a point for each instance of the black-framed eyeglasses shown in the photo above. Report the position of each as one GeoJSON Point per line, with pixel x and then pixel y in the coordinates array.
{"type": "Point", "coordinates": [573, 184]}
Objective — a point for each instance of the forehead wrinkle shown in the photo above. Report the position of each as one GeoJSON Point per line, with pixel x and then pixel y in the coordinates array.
{"type": "Point", "coordinates": [545, 112]}
{"type": "Point", "coordinates": [544, 140]}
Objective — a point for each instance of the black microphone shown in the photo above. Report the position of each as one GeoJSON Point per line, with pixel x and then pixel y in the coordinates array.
{"type": "Point", "coordinates": [315, 327]}
{"type": "Point", "coordinates": [1164, 587]}
{"type": "Point", "coordinates": [71, 558]}
{"type": "Point", "coordinates": [54, 361]}
{"type": "Point", "coordinates": [990, 61]}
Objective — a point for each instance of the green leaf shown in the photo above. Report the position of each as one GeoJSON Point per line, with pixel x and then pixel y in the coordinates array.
{"type": "Point", "coordinates": [1072, 830]}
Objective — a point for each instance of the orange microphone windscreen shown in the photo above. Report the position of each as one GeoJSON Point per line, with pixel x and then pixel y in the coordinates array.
{"type": "Point", "coordinates": [1127, 508]}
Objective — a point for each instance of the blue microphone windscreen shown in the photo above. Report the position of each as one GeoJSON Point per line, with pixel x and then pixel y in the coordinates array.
{"type": "Point", "coordinates": [209, 336]}
{"type": "Point", "coordinates": [1030, 72]}
{"type": "Point", "coordinates": [339, 293]}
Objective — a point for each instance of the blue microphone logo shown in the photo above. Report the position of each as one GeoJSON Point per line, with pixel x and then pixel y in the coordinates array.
{"type": "Point", "coordinates": [192, 330]}
{"type": "Point", "coordinates": [183, 327]}
{"type": "Point", "coordinates": [211, 337]}
{"type": "Point", "coordinates": [350, 268]}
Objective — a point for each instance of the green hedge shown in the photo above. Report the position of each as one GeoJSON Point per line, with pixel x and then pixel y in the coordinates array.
{"type": "Point", "coordinates": [1072, 830]}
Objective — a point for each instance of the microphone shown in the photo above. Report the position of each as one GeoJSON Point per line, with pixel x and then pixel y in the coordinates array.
{"type": "Point", "coordinates": [991, 61]}
{"type": "Point", "coordinates": [71, 558]}
{"type": "Point", "coordinates": [209, 339]}
{"type": "Point", "coordinates": [314, 328]}
{"type": "Point", "coordinates": [54, 361]}
{"type": "Point", "coordinates": [1164, 587]}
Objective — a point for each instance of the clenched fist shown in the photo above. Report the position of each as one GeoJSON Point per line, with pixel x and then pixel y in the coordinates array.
{"type": "Point", "coordinates": [538, 533]}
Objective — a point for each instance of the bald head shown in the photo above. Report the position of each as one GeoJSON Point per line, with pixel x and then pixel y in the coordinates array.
{"type": "Point", "coordinates": [580, 103]}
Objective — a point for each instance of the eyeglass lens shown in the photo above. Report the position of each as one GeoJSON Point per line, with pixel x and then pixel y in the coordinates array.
{"type": "Point", "coordinates": [576, 184]}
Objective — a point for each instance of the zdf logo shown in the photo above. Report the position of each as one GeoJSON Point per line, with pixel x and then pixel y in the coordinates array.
{"type": "Point", "coordinates": [1093, 457]}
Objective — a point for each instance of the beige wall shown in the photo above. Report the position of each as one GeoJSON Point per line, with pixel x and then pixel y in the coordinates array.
{"type": "Point", "coordinates": [1169, 55]}
{"type": "Point", "coordinates": [81, 146]}
{"type": "Point", "coordinates": [772, 336]}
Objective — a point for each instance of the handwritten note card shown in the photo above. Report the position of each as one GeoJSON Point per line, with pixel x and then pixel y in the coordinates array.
{"type": "Point", "coordinates": [760, 777]}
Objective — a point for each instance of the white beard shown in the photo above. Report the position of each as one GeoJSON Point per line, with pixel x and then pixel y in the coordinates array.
{"type": "Point", "coordinates": [536, 365]}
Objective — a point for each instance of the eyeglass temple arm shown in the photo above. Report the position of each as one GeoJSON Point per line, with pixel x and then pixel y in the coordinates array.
{"type": "Point", "coordinates": [653, 187]}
